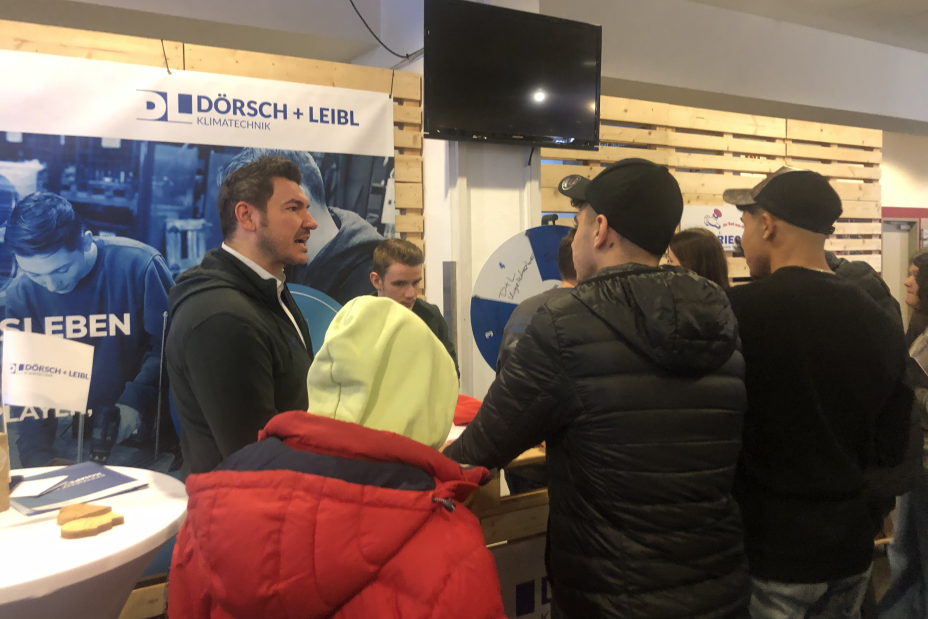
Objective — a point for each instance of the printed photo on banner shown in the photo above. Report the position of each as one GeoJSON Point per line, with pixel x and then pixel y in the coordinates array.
{"type": "Point", "coordinates": [105, 201]}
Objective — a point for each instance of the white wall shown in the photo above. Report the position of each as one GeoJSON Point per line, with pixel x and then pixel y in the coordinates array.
{"type": "Point", "coordinates": [320, 17]}
{"type": "Point", "coordinates": [495, 195]}
{"type": "Point", "coordinates": [905, 170]}
{"type": "Point", "coordinates": [689, 45]}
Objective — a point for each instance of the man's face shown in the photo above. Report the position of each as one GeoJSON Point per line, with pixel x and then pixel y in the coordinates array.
{"type": "Point", "coordinates": [583, 245]}
{"type": "Point", "coordinates": [400, 283]}
{"type": "Point", "coordinates": [755, 246]}
{"type": "Point", "coordinates": [285, 228]}
{"type": "Point", "coordinates": [58, 272]}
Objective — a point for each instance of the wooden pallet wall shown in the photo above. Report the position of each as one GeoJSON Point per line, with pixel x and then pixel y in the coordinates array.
{"type": "Point", "coordinates": [709, 151]}
{"type": "Point", "coordinates": [405, 88]}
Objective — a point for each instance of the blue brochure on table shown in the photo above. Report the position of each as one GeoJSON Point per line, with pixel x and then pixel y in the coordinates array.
{"type": "Point", "coordinates": [85, 482]}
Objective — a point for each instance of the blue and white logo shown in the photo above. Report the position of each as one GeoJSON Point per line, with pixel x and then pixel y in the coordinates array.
{"type": "Point", "coordinates": [161, 107]}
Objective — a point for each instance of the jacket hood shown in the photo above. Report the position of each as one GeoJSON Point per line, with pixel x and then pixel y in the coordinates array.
{"type": "Point", "coordinates": [381, 367]}
{"type": "Point", "coordinates": [281, 543]}
{"type": "Point", "coordinates": [217, 270]}
{"type": "Point", "coordinates": [680, 321]}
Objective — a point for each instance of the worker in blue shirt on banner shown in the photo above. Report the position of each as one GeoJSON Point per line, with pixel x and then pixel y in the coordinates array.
{"type": "Point", "coordinates": [110, 292]}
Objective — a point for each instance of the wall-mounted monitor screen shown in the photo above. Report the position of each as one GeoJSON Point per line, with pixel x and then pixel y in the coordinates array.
{"type": "Point", "coordinates": [498, 75]}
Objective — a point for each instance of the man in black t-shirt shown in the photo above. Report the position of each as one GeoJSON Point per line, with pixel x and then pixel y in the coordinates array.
{"type": "Point", "coordinates": [827, 402]}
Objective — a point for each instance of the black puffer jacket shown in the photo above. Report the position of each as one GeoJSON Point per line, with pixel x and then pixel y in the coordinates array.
{"type": "Point", "coordinates": [635, 382]}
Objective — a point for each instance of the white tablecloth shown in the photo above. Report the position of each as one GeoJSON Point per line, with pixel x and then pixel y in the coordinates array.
{"type": "Point", "coordinates": [46, 576]}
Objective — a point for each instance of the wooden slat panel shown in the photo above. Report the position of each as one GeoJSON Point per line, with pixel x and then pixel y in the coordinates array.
{"type": "Point", "coordinates": [661, 114]}
{"type": "Point", "coordinates": [738, 268]}
{"type": "Point", "coordinates": [515, 525]}
{"type": "Point", "coordinates": [874, 260]}
{"type": "Point", "coordinates": [732, 164]}
{"type": "Point", "coordinates": [23, 37]}
{"type": "Point", "coordinates": [286, 68]}
{"type": "Point", "coordinates": [703, 199]}
{"type": "Point", "coordinates": [833, 153]}
{"type": "Point", "coordinates": [415, 240]}
{"type": "Point", "coordinates": [605, 154]}
{"type": "Point", "coordinates": [408, 168]}
{"type": "Point", "coordinates": [409, 196]}
{"type": "Point", "coordinates": [833, 134]}
{"type": "Point", "coordinates": [858, 192]}
{"type": "Point", "coordinates": [860, 210]}
{"type": "Point", "coordinates": [407, 85]}
{"type": "Point", "coordinates": [870, 227]}
{"type": "Point", "coordinates": [405, 115]}
{"type": "Point", "coordinates": [837, 170]}
{"type": "Point", "coordinates": [610, 154]}
{"type": "Point", "coordinates": [410, 223]}
{"type": "Point", "coordinates": [145, 602]}
{"type": "Point", "coordinates": [833, 244]}
{"type": "Point", "coordinates": [714, 184]}
{"type": "Point", "coordinates": [706, 190]}
{"type": "Point", "coordinates": [551, 174]}
{"type": "Point", "coordinates": [407, 139]}
{"type": "Point", "coordinates": [552, 201]}
{"type": "Point", "coordinates": [676, 139]}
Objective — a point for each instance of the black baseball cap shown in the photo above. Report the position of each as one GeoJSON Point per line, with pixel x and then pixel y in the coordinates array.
{"type": "Point", "coordinates": [640, 199]}
{"type": "Point", "coordinates": [802, 198]}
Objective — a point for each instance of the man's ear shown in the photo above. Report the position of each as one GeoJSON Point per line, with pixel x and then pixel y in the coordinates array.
{"type": "Point", "coordinates": [376, 281]}
{"type": "Point", "coordinates": [768, 226]}
{"type": "Point", "coordinates": [247, 216]}
{"type": "Point", "coordinates": [87, 240]}
{"type": "Point", "coordinates": [601, 236]}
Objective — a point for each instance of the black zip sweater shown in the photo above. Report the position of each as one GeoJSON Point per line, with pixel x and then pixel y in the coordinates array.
{"type": "Point", "coordinates": [827, 402]}
{"type": "Point", "coordinates": [234, 359]}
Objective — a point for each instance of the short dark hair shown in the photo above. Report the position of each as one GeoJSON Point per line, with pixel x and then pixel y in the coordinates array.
{"type": "Point", "coordinates": [43, 223]}
{"type": "Point", "coordinates": [396, 250]}
{"type": "Point", "coordinates": [565, 256]}
{"type": "Point", "coordinates": [311, 176]}
{"type": "Point", "coordinates": [700, 251]}
{"type": "Point", "coordinates": [252, 183]}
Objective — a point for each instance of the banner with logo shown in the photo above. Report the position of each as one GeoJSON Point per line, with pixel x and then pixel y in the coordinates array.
{"type": "Point", "coordinates": [137, 156]}
{"type": "Point", "coordinates": [722, 221]}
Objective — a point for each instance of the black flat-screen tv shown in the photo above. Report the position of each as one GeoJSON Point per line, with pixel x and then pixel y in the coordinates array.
{"type": "Point", "coordinates": [499, 75]}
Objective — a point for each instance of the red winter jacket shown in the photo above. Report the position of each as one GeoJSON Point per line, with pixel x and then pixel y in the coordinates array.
{"type": "Point", "coordinates": [323, 518]}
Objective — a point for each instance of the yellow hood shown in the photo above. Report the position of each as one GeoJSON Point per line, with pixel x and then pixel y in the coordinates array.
{"type": "Point", "coordinates": [381, 367]}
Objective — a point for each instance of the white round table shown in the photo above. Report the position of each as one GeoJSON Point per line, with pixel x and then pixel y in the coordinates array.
{"type": "Point", "coordinates": [44, 575]}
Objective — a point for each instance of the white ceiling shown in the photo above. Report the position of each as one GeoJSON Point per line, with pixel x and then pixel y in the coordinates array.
{"type": "Point", "coordinates": [901, 23]}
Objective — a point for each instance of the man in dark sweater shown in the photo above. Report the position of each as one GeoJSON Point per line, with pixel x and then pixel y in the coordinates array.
{"type": "Point", "coordinates": [397, 274]}
{"type": "Point", "coordinates": [827, 403]}
{"type": "Point", "coordinates": [109, 292]}
{"type": "Point", "coordinates": [239, 350]}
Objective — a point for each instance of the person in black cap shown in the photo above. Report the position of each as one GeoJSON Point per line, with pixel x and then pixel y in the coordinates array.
{"type": "Point", "coordinates": [635, 382]}
{"type": "Point", "coordinates": [827, 403]}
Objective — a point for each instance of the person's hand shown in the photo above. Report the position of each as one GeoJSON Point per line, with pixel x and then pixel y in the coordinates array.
{"type": "Point", "coordinates": [129, 421]}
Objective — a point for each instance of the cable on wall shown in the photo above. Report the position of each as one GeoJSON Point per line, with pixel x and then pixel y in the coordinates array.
{"type": "Point", "coordinates": [384, 45]}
